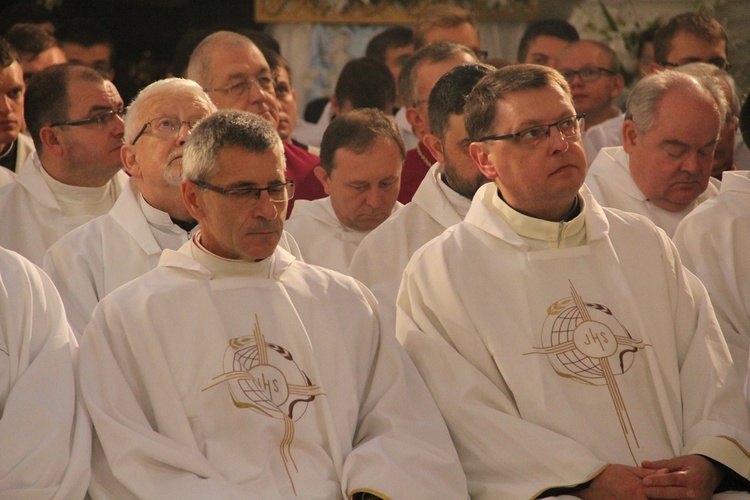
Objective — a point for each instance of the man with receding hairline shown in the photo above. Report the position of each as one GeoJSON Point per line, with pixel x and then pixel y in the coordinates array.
{"type": "Point", "coordinates": [87, 263]}
{"type": "Point", "coordinates": [234, 73]}
{"type": "Point", "coordinates": [663, 169]}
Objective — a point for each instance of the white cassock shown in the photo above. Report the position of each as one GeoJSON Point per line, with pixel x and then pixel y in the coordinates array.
{"type": "Point", "coordinates": [209, 378]}
{"type": "Point", "coordinates": [382, 256]}
{"type": "Point", "coordinates": [322, 238]}
{"type": "Point", "coordinates": [96, 258]}
{"type": "Point", "coordinates": [713, 241]}
{"type": "Point", "coordinates": [549, 364]}
{"type": "Point", "coordinates": [7, 176]}
{"type": "Point", "coordinates": [605, 135]}
{"type": "Point", "coordinates": [612, 185]}
{"type": "Point", "coordinates": [45, 433]}
{"type": "Point", "coordinates": [33, 219]}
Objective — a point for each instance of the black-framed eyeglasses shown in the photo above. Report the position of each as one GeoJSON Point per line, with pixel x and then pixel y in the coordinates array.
{"type": "Point", "coordinates": [165, 127]}
{"type": "Point", "coordinates": [250, 195]}
{"type": "Point", "coordinates": [588, 74]}
{"type": "Point", "coordinates": [569, 127]}
{"type": "Point", "coordinates": [265, 82]}
{"type": "Point", "coordinates": [101, 120]}
{"type": "Point", "coordinates": [719, 62]}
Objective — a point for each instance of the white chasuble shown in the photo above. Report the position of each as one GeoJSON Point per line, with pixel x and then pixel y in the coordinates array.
{"type": "Point", "coordinates": [254, 385]}
{"type": "Point", "coordinates": [549, 364]}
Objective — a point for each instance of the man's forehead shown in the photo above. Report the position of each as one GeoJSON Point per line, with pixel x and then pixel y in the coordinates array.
{"type": "Point", "coordinates": [11, 76]}
{"type": "Point", "coordinates": [170, 103]}
{"type": "Point", "coordinates": [228, 60]}
{"type": "Point", "coordinates": [581, 55]}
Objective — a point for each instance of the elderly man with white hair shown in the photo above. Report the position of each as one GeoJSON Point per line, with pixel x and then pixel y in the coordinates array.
{"type": "Point", "coordinates": [149, 216]}
{"type": "Point", "coordinates": [662, 170]}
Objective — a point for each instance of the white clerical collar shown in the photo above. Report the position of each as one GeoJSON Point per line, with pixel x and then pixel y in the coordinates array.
{"type": "Point", "coordinates": [541, 234]}
{"type": "Point", "coordinates": [158, 219]}
{"type": "Point", "coordinates": [458, 202]}
{"type": "Point", "coordinates": [222, 267]}
{"type": "Point", "coordinates": [79, 200]}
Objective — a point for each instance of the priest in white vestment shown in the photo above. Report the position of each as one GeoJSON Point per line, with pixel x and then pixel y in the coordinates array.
{"type": "Point", "coordinates": [361, 157]}
{"type": "Point", "coordinates": [663, 169]}
{"type": "Point", "coordinates": [713, 241]}
{"type": "Point", "coordinates": [45, 432]}
{"type": "Point", "coordinates": [73, 115]}
{"type": "Point", "coordinates": [149, 216]}
{"type": "Point", "coordinates": [233, 370]}
{"type": "Point", "coordinates": [442, 199]}
{"type": "Point", "coordinates": [568, 349]}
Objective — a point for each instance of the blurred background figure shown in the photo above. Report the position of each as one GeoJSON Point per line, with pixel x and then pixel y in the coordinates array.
{"type": "Point", "coordinates": [36, 48]}
{"type": "Point", "coordinates": [87, 42]}
{"type": "Point", "coordinates": [543, 40]}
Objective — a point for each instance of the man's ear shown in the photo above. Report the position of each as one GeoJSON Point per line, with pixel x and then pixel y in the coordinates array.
{"type": "Point", "coordinates": [618, 85]}
{"type": "Point", "coordinates": [322, 176]}
{"type": "Point", "coordinates": [51, 140]}
{"type": "Point", "coordinates": [435, 145]}
{"type": "Point", "coordinates": [629, 135]}
{"type": "Point", "coordinates": [480, 153]}
{"type": "Point", "coordinates": [334, 105]}
{"type": "Point", "coordinates": [130, 162]}
{"type": "Point", "coordinates": [192, 200]}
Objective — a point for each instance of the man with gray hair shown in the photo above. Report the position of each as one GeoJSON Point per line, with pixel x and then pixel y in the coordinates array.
{"type": "Point", "coordinates": [149, 216]}
{"type": "Point", "coordinates": [662, 170]}
{"type": "Point", "coordinates": [234, 370]}
{"type": "Point", "coordinates": [361, 157]}
{"type": "Point", "coordinates": [420, 73]}
{"type": "Point", "coordinates": [548, 327]}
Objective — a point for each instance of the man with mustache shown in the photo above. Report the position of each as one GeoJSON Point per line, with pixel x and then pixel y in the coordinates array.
{"type": "Point", "coordinates": [361, 155]}
{"type": "Point", "coordinates": [91, 261]}
{"type": "Point", "coordinates": [233, 370]}
{"type": "Point", "coordinates": [549, 327]}
{"type": "Point", "coordinates": [73, 115]}
{"type": "Point", "coordinates": [662, 170]}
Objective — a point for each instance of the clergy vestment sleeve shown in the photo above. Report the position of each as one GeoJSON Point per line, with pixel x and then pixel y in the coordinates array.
{"type": "Point", "coordinates": [45, 433]}
{"type": "Point", "coordinates": [70, 268]}
{"type": "Point", "coordinates": [401, 441]}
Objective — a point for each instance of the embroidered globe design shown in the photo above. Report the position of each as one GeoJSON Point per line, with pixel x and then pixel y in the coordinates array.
{"type": "Point", "coordinates": [583, 342]}
{"type": "Point", "coordinates": [267, 386]}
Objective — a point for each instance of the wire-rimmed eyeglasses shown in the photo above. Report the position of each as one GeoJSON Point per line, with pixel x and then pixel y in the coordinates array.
{"type": "Point", "coordinates": [265, 82]}
{"type": "Point", "coordinates": [165, 127]}
{"type": "Point", "coordinates": [569, 127]}
{"type": "Point", "coordinates": [250, 195]}
{"type": "Point", "coordinates": [101, 120]}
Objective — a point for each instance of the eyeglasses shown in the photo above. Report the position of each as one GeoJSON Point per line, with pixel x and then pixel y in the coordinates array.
{"type": "Point", "coordinates": [164, 127]}
{"type": "Point", "coordinates": [587, 74]}
{"type": "Point", "coordinates": [101, 120]}
{"type": "Point", "coordinates": [265, 82]}
{"type": "Point", "coordinates": [719, 62]}
{"type": "Point", "coordinates": [248, 195]}
{"type": "Point", "coordinates": [569, 127]}
{"type": "Point", "coordinates": [481, 54]}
